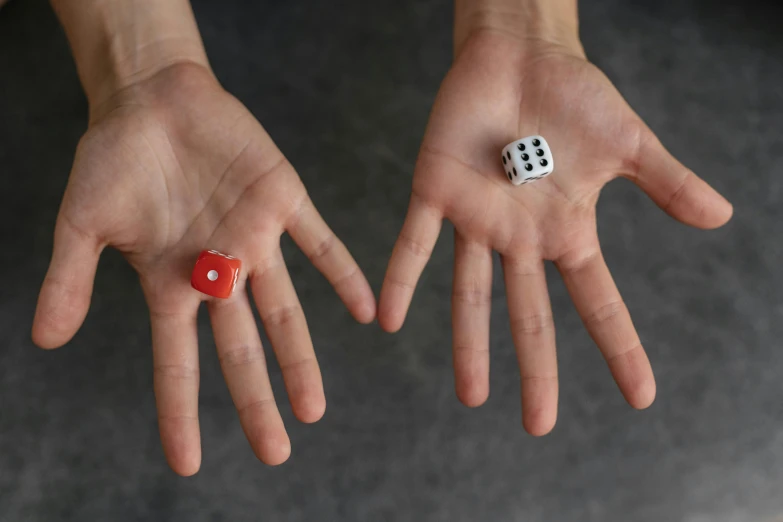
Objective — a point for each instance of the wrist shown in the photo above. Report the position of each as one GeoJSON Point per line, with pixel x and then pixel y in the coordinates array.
{"type": "Point", "coordinates": [550, 22]}
{"type": "Point", "coordinates": [119, 43]}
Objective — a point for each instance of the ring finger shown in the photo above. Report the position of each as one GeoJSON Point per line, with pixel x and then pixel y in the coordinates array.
{"type": "Point", "coordinates": [244, 368]}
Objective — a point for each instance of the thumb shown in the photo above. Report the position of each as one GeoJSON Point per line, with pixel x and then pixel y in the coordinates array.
{"type": "Point", "coordinates": [677, 190]}
{"type": "Point", "coordinates": [67, 288]}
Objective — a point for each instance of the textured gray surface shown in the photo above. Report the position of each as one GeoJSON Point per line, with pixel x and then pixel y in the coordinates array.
{"type": "Point", "coordinates": [351, 82]}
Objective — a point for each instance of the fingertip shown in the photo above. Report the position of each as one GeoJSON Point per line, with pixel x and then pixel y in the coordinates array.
{"type": "Point", "coordinates": [539, 404]}
{"type": "Point", "coordinates": [723, 212]}
{"type": "Point", "coordinates": [305, 390]}
{"type": "Point", "coordinates": [181, 445]}
{"type": "Point", "coordinates": [389, 323]}
{"type": "Point", "coordinates": [358, 297]}
{"type": "Point", "coordinates": [188, 468]}
{"type": "Point", "coordinates": [66, 292]}
{"type": "Point", "coordinates": [691, 200]}
{"type": "Point", "coordinates": [539, 415]}
{"type": "Point", "coordinates": [471, 375]}
{"type": "Point", "coordinates": [712, 209]}
{"type": "Point", "coordinates": [473, 397]}
{"type": "Point", "coordinates": [643, 396]}
{"type": "Point", "coordinates": [678, 190]}
{"type": "Point", "coordinates": [273, 451]}
{"type": "Point", "coordinates": [539, 423]}
{"type": "Point", "coordinates": [43, 339]}
{"type": "Point", "coordinates": [390, 316]}
{"type": "Point", "coordinates": [310, 409]}
{"type": "Point", "coordinates": [366, 311]}
{"type": "Point", "coordinates": [277, 455]}
{"type": "Point", "coordinates": [728, 212]}
{"type": "Point", "coordinates": [185, 463]}
{"type": "Point", "coordinates": [265, 432]}
{"type": "Point", "coordinates": [634, 377]}
{"type": "Point", "coordinates": [57, 317]}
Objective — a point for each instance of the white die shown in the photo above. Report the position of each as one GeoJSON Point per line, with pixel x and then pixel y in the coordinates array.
{"type": "Point", "coordinates": [527, 160]}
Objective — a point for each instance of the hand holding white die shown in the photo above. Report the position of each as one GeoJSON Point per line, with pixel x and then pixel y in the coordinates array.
{"type": "Point", "coordinates": [527, 160]}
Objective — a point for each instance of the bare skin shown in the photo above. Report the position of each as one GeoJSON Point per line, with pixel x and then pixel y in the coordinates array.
{"type": "Point", "coordinates": [505, 85]}
{"type": "Point", "coordinates": [172, 164]}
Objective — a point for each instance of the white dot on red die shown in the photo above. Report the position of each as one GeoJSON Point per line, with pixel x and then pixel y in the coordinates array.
{"type": "Point", "coordinates": [212, 275]}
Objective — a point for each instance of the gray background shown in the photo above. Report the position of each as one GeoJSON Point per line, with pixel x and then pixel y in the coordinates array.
{"type": "Point", "coordinates": [351, 82]}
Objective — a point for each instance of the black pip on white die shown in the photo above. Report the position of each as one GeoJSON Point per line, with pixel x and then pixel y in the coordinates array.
{"type": "Point", "coordinates": [527, 160]}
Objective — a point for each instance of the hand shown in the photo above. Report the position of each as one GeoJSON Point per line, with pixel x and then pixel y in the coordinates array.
{"type": "Point", "coordinates": [502, 88]}
{"type": "Point", "coordinates": [168, 167]}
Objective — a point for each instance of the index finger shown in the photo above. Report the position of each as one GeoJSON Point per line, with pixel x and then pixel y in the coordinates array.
{"type": "Point", "coordinates": [410, 255]}
{"type": "Point", "coordinates": [332, 259]}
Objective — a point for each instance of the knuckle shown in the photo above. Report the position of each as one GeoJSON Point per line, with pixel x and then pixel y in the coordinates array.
{"type": "Point", "coordinates": [539, 379]}
{"type": "Point", "coordinates": [298, 364]}
{"type": "Point", "coordinates": [472, 295]}
{"type": "Point", "coordinates": [623, 353]}
{"type": "Point", "coordinates": [413, 246]}
{"type": "Point", "coordinates": [63, 304]}
{"type": "Point", "coordinates": [241, 355]}
{"type": "Point", "coordinates": [281, 317]}
{"type": "Point", "coordinates": [534, 324]}
{"type": "Point", "coordinates": [679, 193]}
{"type": "Point", "coordinates": [400, 283]}
{"type": "Point", "coordinates": [259, 404]}
{"type": "Point", "coordinates": [295, 211]}
{"type": "Point", "coordinates": [347, 276]}
{"type": "Point", "coordinates": [176, 371]}
{"type": "Point", "coordinates": [323, 248]}
{"type": "Point", "coordinates": [605, 313]}
{"type": "Point", "coordinates": [265, 266]}
{"type": "Point", "coordinates": [66, 222]}
{"type": "Point", "coordinates": [174, 417]}
{"type": "Point", "coordinates": [470, 349]}
{"type": "Point", "coordinates": [576, 259]}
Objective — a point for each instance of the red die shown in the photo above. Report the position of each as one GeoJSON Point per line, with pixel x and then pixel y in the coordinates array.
{"type": "Point", "coordinates": [215, 274]}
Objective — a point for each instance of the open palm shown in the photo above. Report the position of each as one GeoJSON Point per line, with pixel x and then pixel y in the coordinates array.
{"type": "Point", "coordinates": [168, 168]}
{"type": "Point", "coordinates": [501, 89]}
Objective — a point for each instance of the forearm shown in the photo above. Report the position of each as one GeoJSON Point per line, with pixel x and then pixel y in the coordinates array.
{"type": "Point", "coordinates": [552, 21]}
{"type": "Point", "coordinates": [117, 43]}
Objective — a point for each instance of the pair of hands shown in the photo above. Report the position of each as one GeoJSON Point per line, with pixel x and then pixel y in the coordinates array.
{"type": "Point", "coordinates": [174, 164]}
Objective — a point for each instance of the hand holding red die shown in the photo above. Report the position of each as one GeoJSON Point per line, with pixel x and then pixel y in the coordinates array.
{"type": "Point", "coordinates": [167, 168]}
